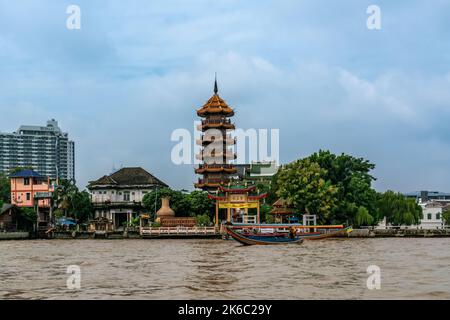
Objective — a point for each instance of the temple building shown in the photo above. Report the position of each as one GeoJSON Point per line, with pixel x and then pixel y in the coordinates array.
{"type": "Point", "coordinates": [283, 212]}
{"type": "Point", "coordinates": [242, 204]}
{"type": "Point", "coordinates": [215, 141]}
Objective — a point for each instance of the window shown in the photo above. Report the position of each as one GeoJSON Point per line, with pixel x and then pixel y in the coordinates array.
{"type": "Point", "coordinates": [126, 196]}
{"type": "Point", "coordinates": [28, 196]}
{"type": "Point", "coordinates": [26, 181]}
{"type": "Point", "coordinates": [429, 216]}
{"type": "Point", "coordinates": [438, 216]}
{"type": "Point", "coordinates": [132, 193]}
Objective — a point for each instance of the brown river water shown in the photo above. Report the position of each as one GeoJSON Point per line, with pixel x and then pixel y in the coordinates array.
{"type": "Point", "coordinates": [410, 268]}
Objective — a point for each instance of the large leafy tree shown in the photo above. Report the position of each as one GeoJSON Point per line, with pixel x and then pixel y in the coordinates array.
{"type": "Point", "coordinates": [303, 185]}
{"type": "Point", "coordinates": [335, 187]}
{"type": "Point", "coordinates": [81, 206]}
{"type": "Point", "coordinates": [178, 201]}
{"type": "Point", "coordinates": [353, 180]}
{"type": "Point", "coordinates": [200, 204]}
{"type": "Point", "coordinates": [398, 209]}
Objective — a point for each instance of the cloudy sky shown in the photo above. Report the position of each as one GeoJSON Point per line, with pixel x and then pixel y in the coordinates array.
{"type": "Point", "coordinates": [137, 70]}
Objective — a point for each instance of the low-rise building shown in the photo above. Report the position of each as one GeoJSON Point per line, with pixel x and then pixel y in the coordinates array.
{"type": "Point", "coordinates": [27, 187]}
{"type": "Point", "coordinates": [432, 214]}
{"type": "Point", "coordinates": [118, 197]}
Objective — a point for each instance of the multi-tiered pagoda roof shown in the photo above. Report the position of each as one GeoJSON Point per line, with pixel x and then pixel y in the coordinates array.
{"type": "Point", "coordinates": [215, 168]}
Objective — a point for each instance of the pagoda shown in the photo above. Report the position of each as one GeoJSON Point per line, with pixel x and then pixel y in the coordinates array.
{"type": "Point", "coordinates": [215, 142]}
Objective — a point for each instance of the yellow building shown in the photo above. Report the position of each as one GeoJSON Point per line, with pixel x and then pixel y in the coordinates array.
{"type": "Point", "coordinates": [238, 202]}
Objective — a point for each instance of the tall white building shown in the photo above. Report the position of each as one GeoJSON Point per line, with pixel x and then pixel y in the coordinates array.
{"type": "Point", "coordinates": [46, 149]}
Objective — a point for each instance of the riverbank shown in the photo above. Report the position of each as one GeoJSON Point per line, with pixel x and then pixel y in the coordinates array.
{"type": "Point", "coordinates": [356, 233]}
{"type": "Point", "coordinates": [407, 233]}
{"type": "Point", "coordinates": [14, 235]}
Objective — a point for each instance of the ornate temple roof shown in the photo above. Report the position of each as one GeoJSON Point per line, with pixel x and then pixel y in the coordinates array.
{"type": "Point", "coordinates": [281, 206]}
{"type": "Point", "coordinates": [215, 106]}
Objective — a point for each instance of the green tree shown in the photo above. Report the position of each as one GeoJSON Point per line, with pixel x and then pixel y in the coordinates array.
{"type": "Point", "coordinates": [81, 206]}
{"type": "Point", "coordinates": [303, 185]}
{"type": "Point", "coordinates": [200, 204]}
{"type": "Point", "coordinates": [71, 202]}
{"type": "Point", "coordinates": [363, 218]}
{"type": "Point", "coordinates": [446, 217]}
{"type": "Point", "coordinates": [5, 189]}
{"type": "Point", "coordinates": [203, 220]}
{"type": "Point", "coordinates": [351, 176]}
{"type": "Point", "coordinates": [265, 214]}
{"type": "Point", "coordinates": [64, 194]}
{"type": "Point", "coordinates": [178, 201]}
{"type": "Point", "coordinates": [398, 209]}
{"type": "Point", "coordinates": [29, 214]}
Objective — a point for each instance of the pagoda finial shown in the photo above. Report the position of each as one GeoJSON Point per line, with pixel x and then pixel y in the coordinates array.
{"type": "Point", "coordinates": [215, 84]}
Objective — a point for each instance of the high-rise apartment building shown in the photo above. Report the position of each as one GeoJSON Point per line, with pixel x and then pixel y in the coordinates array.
{"type": "Point", "coordinates": [47, 150]}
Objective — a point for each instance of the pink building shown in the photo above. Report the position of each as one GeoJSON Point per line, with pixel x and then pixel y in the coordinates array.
{"type": "Point", "coordinates": [29, 188]}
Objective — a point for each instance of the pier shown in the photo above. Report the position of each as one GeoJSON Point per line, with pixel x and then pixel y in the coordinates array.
{"type": "Point", "coordinates": [180, 232]}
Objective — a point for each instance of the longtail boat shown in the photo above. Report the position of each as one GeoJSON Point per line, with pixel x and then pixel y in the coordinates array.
{"type": "Point", "coordinates": [263, 239]}
{"type": "Point", "coordinates": [328, 231]}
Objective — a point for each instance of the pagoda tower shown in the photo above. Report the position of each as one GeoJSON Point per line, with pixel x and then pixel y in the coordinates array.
{"type": "Point", "coordinates": [215, 141]}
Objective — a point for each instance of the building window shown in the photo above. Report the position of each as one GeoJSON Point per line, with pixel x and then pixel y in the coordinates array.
{"type": "Point", "coordinates": [28, 196]}
{"type": "Point", "coordinates": [438, 216]}
{"type": "Point", "coordinates": [429, 216]}
{"type": "Point", "coordinates": [126, 196]}
{"type": "Point", "coordinates": [26, 181]}
{"type": "Point", "coordinates": [132, 193]}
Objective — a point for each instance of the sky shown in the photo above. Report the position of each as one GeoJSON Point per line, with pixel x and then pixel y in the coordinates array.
{"type": "Point", "coordinates": [137, 70]}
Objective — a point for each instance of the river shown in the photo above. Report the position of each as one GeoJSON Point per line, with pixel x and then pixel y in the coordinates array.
{"type": "Point", "coordinates": [410, 268]}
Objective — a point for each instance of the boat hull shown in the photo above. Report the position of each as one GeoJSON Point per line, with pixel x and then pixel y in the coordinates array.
{"type": "Point", "coordinates": [247, 240]}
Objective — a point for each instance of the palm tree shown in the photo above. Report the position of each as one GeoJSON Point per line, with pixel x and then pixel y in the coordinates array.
{"type": "Point", "coordinates": [63, 195]}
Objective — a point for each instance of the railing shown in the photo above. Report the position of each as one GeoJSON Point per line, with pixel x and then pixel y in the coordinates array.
{"type": "Point", "coordinates": [178, 231]}
{"type": "Point", "coordinates": [219, 153]}
{"type": "Point", "coordinates": [215, 165]}
{"type": "Point", "coordinates": [228, 140]}
{"type": "Point", "coordinates": [116, 203]}
{"type": "Point", "coordinates": [216, 121]}
{"type": "Point", "coordinates": [213, 180]}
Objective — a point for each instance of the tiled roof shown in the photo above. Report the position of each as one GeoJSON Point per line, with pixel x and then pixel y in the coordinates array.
{"type": "Point", "coordinates": [129, 176]}
{"type": "Point", "coordinates": [27, 173]}
{"type": "Point", "coordinates": [215, 105]}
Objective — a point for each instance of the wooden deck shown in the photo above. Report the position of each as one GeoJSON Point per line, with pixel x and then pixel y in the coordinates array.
{"type": "Point", "coordinates": [179, 232]}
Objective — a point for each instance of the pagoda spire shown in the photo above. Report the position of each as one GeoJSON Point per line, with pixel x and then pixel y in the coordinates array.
{"type": "Point", "coordinates": [215, 84]}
